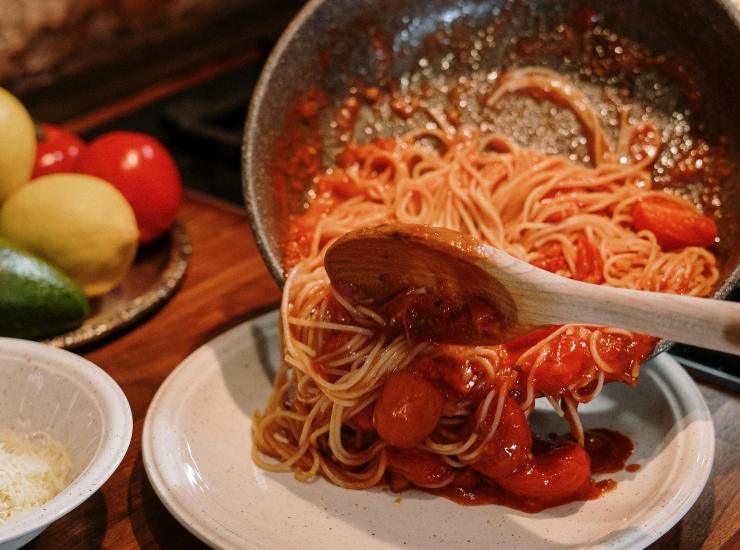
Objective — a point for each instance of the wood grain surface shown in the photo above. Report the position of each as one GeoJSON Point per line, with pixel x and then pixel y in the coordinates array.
{"type": "Point", "coordinates": [226, 284]}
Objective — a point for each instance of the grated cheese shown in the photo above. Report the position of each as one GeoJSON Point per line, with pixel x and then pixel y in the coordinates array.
{"type": "Point", "coordinates": [33, 469]}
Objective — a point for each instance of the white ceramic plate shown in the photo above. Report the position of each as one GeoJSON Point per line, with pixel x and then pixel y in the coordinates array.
{"type": "Point", "coordinates": [196, 447]}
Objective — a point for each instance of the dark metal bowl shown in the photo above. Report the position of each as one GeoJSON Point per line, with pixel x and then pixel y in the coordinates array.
{"type": "Point", "coordinates": [328, 44]}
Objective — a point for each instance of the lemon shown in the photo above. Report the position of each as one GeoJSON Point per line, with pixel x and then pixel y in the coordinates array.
{"type": "Point", "coordinates": [81, 224]}
{"type": "Point", "coordinates": [17, 144]}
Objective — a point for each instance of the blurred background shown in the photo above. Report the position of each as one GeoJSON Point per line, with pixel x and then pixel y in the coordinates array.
{"type": "Point", "coordinates": [181, 70]}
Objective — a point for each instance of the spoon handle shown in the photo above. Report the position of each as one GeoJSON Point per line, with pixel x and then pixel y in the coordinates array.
{"type": "Point", "coordinates": [702, 322]}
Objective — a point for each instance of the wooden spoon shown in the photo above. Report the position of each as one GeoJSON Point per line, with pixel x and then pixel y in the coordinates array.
{"type": "Point", "coordinates": [374, 265]}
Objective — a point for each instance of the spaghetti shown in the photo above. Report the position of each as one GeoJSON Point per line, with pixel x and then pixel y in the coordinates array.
{"type": "Point", "coordinates": [360, 403]}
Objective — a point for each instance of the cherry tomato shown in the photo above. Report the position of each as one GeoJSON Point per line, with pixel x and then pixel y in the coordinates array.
{"type": "Point", "coordinates": [407, 410]}
{"type": "Point", "coordinates": [624, 352]}
{"type": "Point", "coordinates": [523, 343]}
{"type": "Point", "coordinates": [567, 358]}
{"type": "Point", "coordinates": [142, 169]}
{"type": "Point", "coordinates": [422, 468]}
{"type": "Point", "coordinates": [554, 475]}
{"type": "Point", "coordinates": [57, 150]}
{"type": "Point", "coordinates": [552, 259]}
{"type": "Point", "coordinates": [511, 445]}
{"type": "Point", "coordinates": [589, 265]}
{"type": "Point", "coordinates": [674, 225]}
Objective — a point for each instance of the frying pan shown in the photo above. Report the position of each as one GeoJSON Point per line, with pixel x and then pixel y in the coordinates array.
{"type": "Point", "coordinates": [400, 44]}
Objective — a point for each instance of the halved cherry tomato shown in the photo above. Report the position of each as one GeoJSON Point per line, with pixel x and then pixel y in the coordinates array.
{"type": "Point", "coordinates": [142, 169]}
{"type": "Point", "coordinates": [407, 410]}
{"type": "Point", "coordinates": [589, 265]}
{"type": "Point", "coordinates": [57, 150]}
{"type": "Point", "coordinates": [673, 224]}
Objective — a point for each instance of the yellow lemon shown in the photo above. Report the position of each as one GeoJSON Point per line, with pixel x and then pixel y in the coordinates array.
{"type": "Point", "coordinates": [17, 144]}
{"type": "Point", "coordinates": [81, 224]}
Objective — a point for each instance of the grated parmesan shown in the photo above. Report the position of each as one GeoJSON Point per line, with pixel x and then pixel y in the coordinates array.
{"type": "Point", "coordinates": [33, 469]}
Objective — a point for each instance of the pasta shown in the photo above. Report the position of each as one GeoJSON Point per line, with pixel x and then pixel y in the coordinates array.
{"type": "Point", "coordinates": [334, 409]}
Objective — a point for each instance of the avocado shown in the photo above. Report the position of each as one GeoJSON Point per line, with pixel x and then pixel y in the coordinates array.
{"type": "Point", "coordinates": [36, 299]}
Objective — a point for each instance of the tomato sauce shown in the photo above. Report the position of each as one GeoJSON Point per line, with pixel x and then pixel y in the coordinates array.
{"type": "Point", "coordinates": [487, 492]}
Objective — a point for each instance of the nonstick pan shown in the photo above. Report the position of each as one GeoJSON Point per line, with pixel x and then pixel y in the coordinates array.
{"type": "Point", "coordinates": [676, 62]}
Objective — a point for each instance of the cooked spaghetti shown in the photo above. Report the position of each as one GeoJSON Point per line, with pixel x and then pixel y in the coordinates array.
{"type": "Point", "coordinates": [361, 403]}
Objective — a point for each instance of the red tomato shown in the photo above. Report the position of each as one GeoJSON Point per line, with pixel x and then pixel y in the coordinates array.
{"type": "Point", "coordinates": [511, 445]}
{"type": "Point", "coordinates": [142, 169]}
{"type": "Point", "coordinates": [624, 352]}
{"type": "Point", "coordinates": [673, 224]}
{"type": "Point", "coordinates": [422, 468]}
{"type": "Point", "coordinates": [589, 265]}
{"type": "Point", "coordinates": [552, 258]}
{"type": "Point", "coordinates": [57, 150]}
{"type": "Point", "coordinates": [568, 356]}
{"type": "Point", "coordinates": [407, 410]}
{"type": "Point", "coordinates": [554, 475]}
{"type": "Point", "coordinates": [523, 343]}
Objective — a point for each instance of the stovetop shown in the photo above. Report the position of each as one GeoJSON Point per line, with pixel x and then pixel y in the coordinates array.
{"type": "Point", "coordinates": [202, 127]}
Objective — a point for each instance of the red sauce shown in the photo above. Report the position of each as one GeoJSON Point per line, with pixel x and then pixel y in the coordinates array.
{"type": "Point", "coordinates": [632, 468]}
{"type": "Point", "coordinates": [296, 161]}
{"type": "Point", "coordinates": [431, 316]}
{"type": "Point", "coordinates": [608, 450]}
{"type": "Point", "coordinates": [487, 492]}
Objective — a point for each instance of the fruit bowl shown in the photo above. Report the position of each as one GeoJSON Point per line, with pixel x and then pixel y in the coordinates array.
{"type": "Point", "coordinates": [77, 404]}
{"type": "Point", "coordinates": [154, 276]}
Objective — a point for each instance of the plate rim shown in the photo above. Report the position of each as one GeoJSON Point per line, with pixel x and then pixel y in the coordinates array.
{"type": "Point", "coordinates": [681, 384]}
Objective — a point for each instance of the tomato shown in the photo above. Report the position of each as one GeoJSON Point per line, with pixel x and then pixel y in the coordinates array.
{"type": "Point", "coordinates": [568, 356]}
{"type": "Point", "coordinates": [589, 265]}
{"type": "Point", "coordinates": [407, 410]}
{"type": "Point", "coordinates": [523, 343]}
{"type": "Point", "coordinates": [552, 259]}
{"type": "Point", "coordinates": [674, 225]}
{"type": "Point", "coordinates": [456, 373]}
{"type": "Point", "coordinates": [623, 352]}
{"type": "Point", "coordinates": [511, 445]}
{"type": "Point", "coordinates": [142, 169]}
{"type": "Point", "coordinates": [422, 468]}
{"type": "Point", "coordinates": [57, 150]}
{"type": "Point", "coordinates": [554, 475]}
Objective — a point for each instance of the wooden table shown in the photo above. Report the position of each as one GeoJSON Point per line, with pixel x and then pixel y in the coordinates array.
{"type": "Point", "coordinates": [226, 284]}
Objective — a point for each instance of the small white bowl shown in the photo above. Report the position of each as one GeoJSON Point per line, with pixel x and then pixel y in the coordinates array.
{"type": "Point", "coordinates": [78, 404]}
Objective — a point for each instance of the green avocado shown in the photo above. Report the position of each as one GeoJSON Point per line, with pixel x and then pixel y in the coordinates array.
{"type": "Point", "coordinates": [36, 299]}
